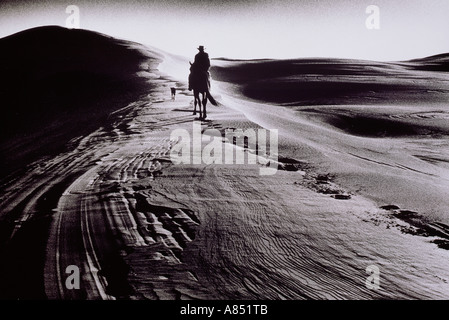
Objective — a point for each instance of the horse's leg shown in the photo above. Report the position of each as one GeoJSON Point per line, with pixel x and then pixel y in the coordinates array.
{"type": "Point", "coordinates": [198, 101]}
{"type": "Point", "coordinates": [204, 104]}
{"type": "Point", "coordinates": [195, 100]}
{"type": "Point", "coordinates": [201, 103]}
{"type": "Point", "coordinates": [200, 107]}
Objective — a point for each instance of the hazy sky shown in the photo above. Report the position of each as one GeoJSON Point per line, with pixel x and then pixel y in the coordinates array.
{"type": "Point", "coordinates": [254, 28]}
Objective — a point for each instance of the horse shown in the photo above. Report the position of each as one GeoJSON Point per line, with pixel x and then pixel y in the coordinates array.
{"type": "Point", "coordinates": [200, 84]}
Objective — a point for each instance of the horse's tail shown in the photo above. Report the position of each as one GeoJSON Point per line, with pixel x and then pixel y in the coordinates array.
{"type": "Point", "coordinates": [211, 99]}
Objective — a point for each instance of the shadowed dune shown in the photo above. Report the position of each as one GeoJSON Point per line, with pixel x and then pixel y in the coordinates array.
{"type": "Point", "coordinates": [56, 87]}
{"type": "Point", "coordinates": [365, 124]}
{"type": "Point", "coordinates": [381, 126]}
{"type": "Point", "coordinates": [326, 83]}
{"type": "Point", "coordinates": [438, 62]}
{"type": "Point", "coordinates": [57, 84]}
{"type": "Point", "coordinates": [335, 81]}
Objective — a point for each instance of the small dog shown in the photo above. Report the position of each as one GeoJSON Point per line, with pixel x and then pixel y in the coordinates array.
{"type": "Point", "coordinates": [173, 93]}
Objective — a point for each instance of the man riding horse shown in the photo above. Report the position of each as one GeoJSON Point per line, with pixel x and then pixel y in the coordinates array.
{"type": "Point", "coordinates": [199, 81]}
{"type": "Point", "coordinates": [201, 63]}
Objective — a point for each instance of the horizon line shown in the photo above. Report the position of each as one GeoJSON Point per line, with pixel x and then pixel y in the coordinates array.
{"type": "Point", "coordinates": [223, 58]}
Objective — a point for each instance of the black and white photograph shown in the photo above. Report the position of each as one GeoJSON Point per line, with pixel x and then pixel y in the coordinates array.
{"type": "Point", "coordinates": [248, 150]}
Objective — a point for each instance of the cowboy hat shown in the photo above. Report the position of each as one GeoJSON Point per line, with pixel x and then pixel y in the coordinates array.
{"type": "Point", "coordinates": [201, 48]}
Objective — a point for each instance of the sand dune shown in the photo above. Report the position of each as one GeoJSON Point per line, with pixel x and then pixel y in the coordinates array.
{"type": "Point", "coordinates": [352, 190]}
{"type": "Point", "coordinates": [306, 82]}
{"type": "Point", "coordinates": [373, 135]}
{"type": "Point", "coordinates": [57, 84]}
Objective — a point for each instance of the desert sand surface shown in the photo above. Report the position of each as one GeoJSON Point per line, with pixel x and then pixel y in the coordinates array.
{"type": "Point", "coordinates": [345, 196]}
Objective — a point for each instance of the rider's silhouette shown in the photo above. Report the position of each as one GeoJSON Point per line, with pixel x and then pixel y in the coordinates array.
{"type": "Point", "coordinates": [201, 64]}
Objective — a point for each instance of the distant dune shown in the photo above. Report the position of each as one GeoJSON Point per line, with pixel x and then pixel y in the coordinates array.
{"type": "Point", "coordinates": [57, 84]}
{"type": "Point", "coordinates": [438, 62]}
{"type": "Point", "coordinates": [321, 89]}
{"type": "Point", "coordinates": [389, 118]}
{"type": "Point", "coordinates": [301, 82]}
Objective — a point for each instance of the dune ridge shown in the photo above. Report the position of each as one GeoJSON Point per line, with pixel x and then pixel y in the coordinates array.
{"type": "Point", "coordinates": [388, 114]}
{"type": "Point", "coordinates": [57, 84]}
